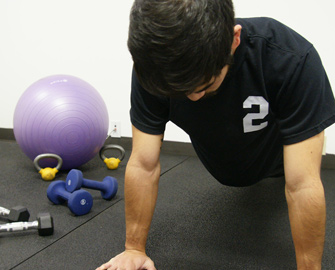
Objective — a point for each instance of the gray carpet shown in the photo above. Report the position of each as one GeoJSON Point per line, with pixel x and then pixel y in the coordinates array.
{"type": "Point", "coordinates": [198, 223]}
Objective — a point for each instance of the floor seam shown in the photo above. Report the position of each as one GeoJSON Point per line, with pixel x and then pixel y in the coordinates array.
{"type": "Point", "coordinates": [175, 166]}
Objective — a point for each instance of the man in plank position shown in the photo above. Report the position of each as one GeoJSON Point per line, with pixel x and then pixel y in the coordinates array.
{"type": "Point", "coordinates": [254, 98]}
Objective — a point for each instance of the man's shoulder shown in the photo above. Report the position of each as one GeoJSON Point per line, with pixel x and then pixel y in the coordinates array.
{"type": "Point", "coordinates": [274, 33]}
{"type": "Point", "coordinates": [262, 24]}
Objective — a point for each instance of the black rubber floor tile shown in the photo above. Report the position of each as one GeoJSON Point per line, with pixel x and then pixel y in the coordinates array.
{"type": "Point", "coordinates": [20, 184]}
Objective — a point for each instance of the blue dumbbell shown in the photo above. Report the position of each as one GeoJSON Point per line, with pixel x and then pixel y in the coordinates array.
{"type": "Point", "coordinates": [79, 202]}
{"type": "Point", "coordinates": [108, 186]}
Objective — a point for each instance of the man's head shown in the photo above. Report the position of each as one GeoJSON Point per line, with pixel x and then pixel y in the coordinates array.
{"type": "Point", "coordinates": [179, 46]}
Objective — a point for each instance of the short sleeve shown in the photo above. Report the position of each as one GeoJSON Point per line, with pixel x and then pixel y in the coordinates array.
{"type": "Point", "coordinates": [148, 113]}
{"type": "Point", "coordinates": [305, 102]}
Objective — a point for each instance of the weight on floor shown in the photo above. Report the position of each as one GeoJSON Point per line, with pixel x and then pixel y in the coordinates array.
{"type": "Point", "coordinates": [43, 224]}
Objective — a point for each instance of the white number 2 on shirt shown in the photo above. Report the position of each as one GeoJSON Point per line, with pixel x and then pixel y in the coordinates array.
{"type": "Point", "coordinates": [263, 105]}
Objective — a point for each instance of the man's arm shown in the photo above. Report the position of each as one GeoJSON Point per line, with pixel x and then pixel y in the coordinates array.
{"type": "Point", "coordinates": [306, 200]}
{"type": "Point", "coordinates": [141, 189]}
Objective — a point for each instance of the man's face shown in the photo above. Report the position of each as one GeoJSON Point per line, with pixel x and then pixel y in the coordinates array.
{"type": "Point", "coordinates": [210, 88]}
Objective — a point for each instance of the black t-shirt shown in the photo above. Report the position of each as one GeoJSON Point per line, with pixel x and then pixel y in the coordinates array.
{"type": "Point", "coordinates": [276, 93]}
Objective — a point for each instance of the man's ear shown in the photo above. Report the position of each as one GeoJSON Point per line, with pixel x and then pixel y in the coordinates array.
{"type": "Point", "coordinates": [237, 38]}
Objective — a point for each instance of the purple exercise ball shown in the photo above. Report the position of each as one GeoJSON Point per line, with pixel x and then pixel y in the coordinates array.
{"type": "Point", "coordinates": [62, 115]}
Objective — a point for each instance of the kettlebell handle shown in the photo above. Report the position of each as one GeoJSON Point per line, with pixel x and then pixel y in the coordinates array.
{"type": "Point", "coordinates": [48, 155]}
{"type": "Point", "coordinates": [112, 146]}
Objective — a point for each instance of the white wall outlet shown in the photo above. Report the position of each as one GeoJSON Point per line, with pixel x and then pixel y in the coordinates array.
{"type": "Point", "coordinates": [115, 129]}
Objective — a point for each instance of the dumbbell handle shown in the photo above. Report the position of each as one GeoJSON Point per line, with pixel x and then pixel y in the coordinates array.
{"type": "Point", "coordinates": [4, 212]}
{"type": "Point", "coordinates": [93, 184]}
{"type": "Point", "coordinates": [63, 194]}
{"type": "Point", "coordinates": [18, 226]}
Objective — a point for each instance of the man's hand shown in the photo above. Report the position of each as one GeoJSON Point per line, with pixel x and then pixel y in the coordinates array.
{"type": "Point", "coordinates": [129, 260]}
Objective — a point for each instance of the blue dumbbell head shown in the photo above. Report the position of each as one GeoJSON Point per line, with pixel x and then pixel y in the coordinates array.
{"type": "Point", "coordinates": [111, 187]}
{"type": "Point", "coordinates": [108, 186]}
{"type": "Point", "coordinates": [79, 202]}
{"type": "Point", "coordinates": [74, 180]}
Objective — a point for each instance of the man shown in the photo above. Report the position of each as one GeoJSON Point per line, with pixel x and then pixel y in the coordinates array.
{"type": "Point", "coordinates": [254, 98]}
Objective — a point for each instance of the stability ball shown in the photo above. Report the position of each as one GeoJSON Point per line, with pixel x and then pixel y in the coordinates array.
{"type": "Point", "coordinates": [62, 115]}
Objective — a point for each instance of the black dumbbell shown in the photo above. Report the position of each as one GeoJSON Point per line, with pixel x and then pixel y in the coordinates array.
{"type": "Point", "coordinates": [17, 213]}
{"type": "Point", "coordinates": [75, 181]}
{"type": "Point", "coordinates": [79, 202]}
{"type": "Point", "coordinates": [44, 224]}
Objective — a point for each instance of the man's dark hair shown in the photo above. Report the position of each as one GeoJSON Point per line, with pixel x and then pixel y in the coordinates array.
{"type": "Point", "coordinates": [178, 45]}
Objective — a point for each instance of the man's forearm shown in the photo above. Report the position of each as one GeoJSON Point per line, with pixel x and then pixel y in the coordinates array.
{"type": "Point", "coordinates": [141, 188]}
{"type": "Point", "coordinates": [307, 212]}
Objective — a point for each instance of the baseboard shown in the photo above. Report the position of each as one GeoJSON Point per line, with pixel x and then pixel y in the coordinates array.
{"type": "Point", "coordinates": [328, 162]}
{"type": "Point", "coordinates": [7, 134]}
{"type": "Point", "coordinates": [168, 147]}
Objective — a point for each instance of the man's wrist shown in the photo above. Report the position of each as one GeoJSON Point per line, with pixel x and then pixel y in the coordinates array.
{"type": "Point", "coordinates": [134, 245]}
